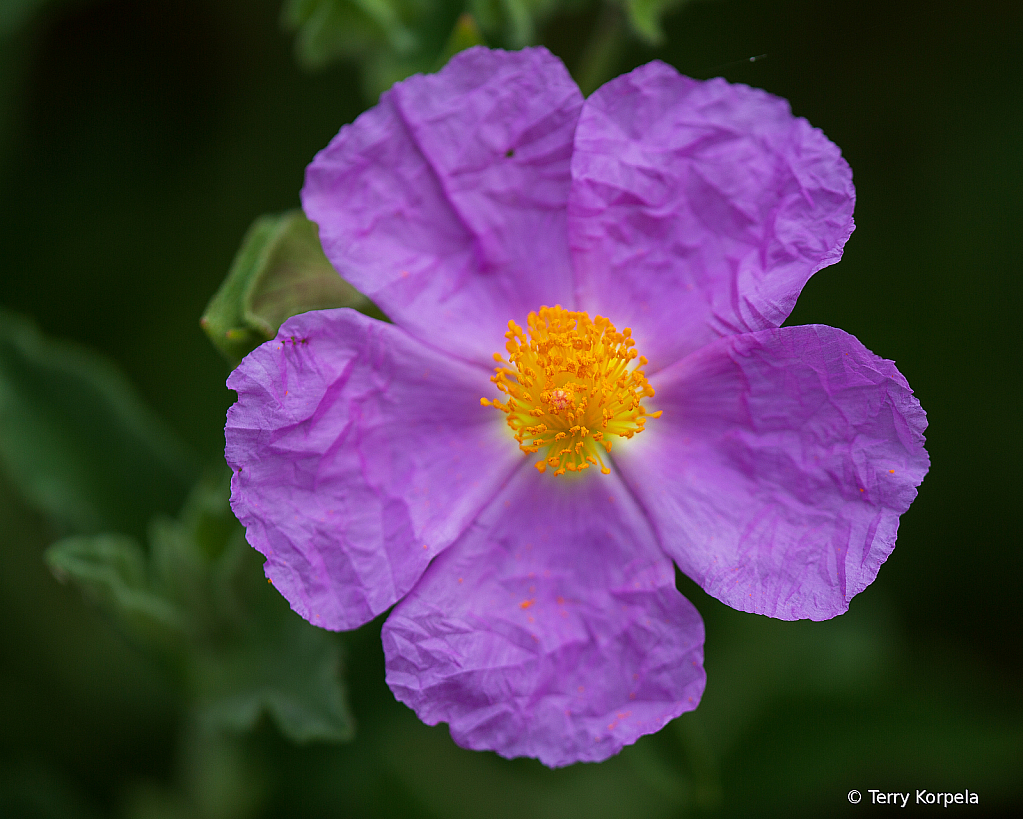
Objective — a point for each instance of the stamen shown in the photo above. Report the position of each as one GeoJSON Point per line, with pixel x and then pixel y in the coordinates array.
{"type": "Point", "coordinates": [574, 382]}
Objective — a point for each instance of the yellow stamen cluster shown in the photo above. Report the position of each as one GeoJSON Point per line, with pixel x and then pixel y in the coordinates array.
{"type": "Point", "coordinates": [572, 386]}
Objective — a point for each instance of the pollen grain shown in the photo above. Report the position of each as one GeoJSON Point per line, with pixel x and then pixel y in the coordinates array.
{"type": "Point", "coordinates": [573, 384]}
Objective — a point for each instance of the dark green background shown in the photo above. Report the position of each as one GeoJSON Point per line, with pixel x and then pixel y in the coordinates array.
{"type": "Point", "coordinates": [138, 140]}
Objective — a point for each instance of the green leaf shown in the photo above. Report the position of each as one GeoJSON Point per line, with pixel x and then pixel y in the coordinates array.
{"type": "Point", "coordinates": [200, 599]}
{"type": "Point", "coordinates": [77, 441]}
{"type": "Point", "coordinates": [328, 30]}
{"type": "Point", "coordinates": [258, 656]}
{"type": "Point", "coordinates": [465, 34]}
{"type": "Point", "coordinates": [202, 564]}
{"type": "Point", "coordinates": [391, 39]}
{"type": "Point", "coordinates": [331, 29]}
{"type": "Point", "coordinates": [512, 23]}
{"type": "Point", "coordinates": [111, 570]}
{"type": "Point", "coordinates": [279, 271]}
{"type": "Point", "coordinates": [645, 17]}
{"type": "Point", "coordinates": [285, 668]}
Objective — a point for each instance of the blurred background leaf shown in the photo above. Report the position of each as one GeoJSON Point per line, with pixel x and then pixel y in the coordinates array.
{"type": "Point", "coordinates": [284, 668]}
{"type": "Point", "coordinates": [645, 17]}
{"type": "Point", "coordinates": [111, 571]}
{"type": "Point", "coordinates": [88, 453]}
{"type": "Point", "coordinates": [392, 39]}
{"type": "Point", "coordinates": [199, 601]}
{"type": "Point", "coordinates": [465, 34]}
{"type": "Point", "coordinates": [77, 441]}
{"type": "Point", "coordinates": [328, 30]}
{"type": "Point", "coordinates": [511, 23]}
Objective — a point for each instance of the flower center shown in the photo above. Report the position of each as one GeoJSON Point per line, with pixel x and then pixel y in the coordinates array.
{"type": "Point", "coordinates": [572, 387]}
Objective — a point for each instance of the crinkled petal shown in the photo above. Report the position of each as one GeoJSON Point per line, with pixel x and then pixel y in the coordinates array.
{"type": "Point", "coordinates": [699, 209]}
{"type": "Point", "coordinates": [359, 454]}
{"type": "Point", "coordinates": [776, 476]}
{"type": "Point", "coordinates": [446, 203]}
{"type": "Point", "coordinates": [552, 629]}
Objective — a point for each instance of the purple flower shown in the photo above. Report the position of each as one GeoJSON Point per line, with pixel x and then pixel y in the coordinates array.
{"type": "Point", "coordinates": [536, 612]}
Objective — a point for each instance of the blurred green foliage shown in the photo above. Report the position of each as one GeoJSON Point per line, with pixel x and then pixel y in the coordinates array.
{"type": "Point", "coordinates": [393, 39]}
{"type": "Point", "coordinates": [81, 448]}
{"type": "Point", "coordinates": [645, 17]}
{"type": "Point", "coordinates": [77, 441]}
{"type": "Point", "coordinates": [198, 600]}
{"type": "Point", "coordinates": [166, 678]}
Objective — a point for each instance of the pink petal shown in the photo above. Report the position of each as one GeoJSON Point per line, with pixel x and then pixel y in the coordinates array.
{"type": "Point", "coordinates": [359, 454]}
{"type": "Point", "coordinates": [445, 203]}
{"type": "Point", "coordinates": [552, 629]}
{"type": "Point", "coordinates": [776, 476]}
{"type": "Point", "coordinates": [699, 209]}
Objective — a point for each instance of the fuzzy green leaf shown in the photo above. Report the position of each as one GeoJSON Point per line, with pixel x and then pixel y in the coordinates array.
{"type": "Point", "coordinates": [111, 571]}
{"type": "Point", "coordinates": [200, 600]}
{"type": "Point", "coordinates": [279, 271]}
{"type": "Point", "coordinates": [285, 668]}
{"type": "Point", "coordinates": [645, 17]}
{"type": "Point", "coordinates": [77, 441]}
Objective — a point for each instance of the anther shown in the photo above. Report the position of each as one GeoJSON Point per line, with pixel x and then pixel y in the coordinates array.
{"type": "Point", "coordinates": [574, 374]}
